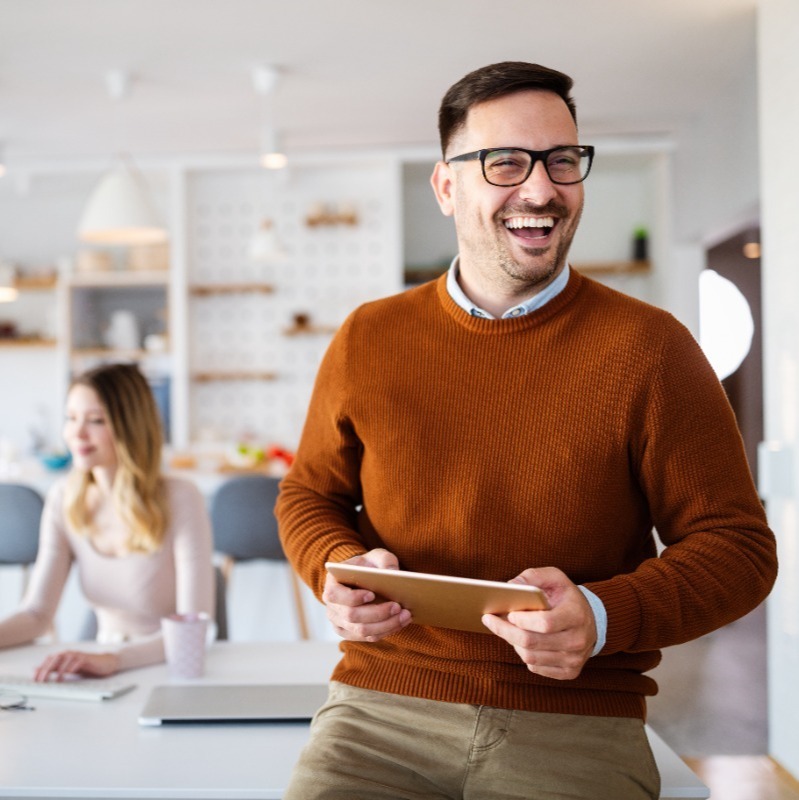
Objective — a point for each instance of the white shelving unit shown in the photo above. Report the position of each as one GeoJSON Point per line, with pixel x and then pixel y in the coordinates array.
{"type": "Point", "coordinates": [236, 359]}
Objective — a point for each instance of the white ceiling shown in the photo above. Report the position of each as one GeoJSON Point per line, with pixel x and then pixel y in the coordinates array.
{"type": "Point", "coordinates": [353, 72]}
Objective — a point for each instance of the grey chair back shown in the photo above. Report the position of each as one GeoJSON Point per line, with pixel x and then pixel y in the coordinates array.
{"type": "Point", "coordinates": [243, 518]}
{"type": "Point", "coordinates": [20, 515]}
{"type": "Point", "coordinates": [245, 529]}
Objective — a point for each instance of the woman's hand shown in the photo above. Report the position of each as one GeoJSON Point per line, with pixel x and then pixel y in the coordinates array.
{"type": "Point", "coordinates": [73, 662]}
{"type": "Point", "coordinates": [353, 613]}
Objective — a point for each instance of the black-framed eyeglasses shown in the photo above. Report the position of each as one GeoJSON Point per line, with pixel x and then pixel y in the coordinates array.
{"type": "Point", "coordinates": [511, 166]}
{"type": "Point", "coordinates": [14, 701]}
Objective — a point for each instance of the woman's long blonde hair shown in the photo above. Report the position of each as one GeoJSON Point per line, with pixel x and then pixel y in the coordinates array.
{"type": "Point", "coordinates": [138, 491]}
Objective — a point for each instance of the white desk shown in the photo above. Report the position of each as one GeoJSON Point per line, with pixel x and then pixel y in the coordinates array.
{"type": "Point", "coordinates": [71, 749]}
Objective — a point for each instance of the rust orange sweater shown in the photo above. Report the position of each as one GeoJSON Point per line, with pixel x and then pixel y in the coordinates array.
{"type": "Point", "coordinates": [481, 447]}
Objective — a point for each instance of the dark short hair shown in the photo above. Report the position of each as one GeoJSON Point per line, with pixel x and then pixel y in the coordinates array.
{"type": "Point", "coordinates": [497, 80]}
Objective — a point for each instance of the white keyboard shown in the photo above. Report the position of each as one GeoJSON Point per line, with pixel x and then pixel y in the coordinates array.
{"type": "Point", "coordinates": [81, 689]}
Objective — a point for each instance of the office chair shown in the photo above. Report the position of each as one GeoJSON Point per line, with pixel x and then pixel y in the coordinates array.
{"type": "Point", "coordinates": [20, 515]}
{"type": "Point", "coordinates": [245, 529]}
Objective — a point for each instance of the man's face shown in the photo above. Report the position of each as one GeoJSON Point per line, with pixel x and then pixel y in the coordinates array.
{"type": "Point", "coordinates": [504, 235]}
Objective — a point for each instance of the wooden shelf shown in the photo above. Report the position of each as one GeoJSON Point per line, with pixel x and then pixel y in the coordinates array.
{"type": "Point", "coordinates": [122, 277]}
{"type": "Point", "coordinates": [613, 267]}
{"type": "Point", "coordinates": [210, 289]}
{"type": "Point", "coordinates": [27, 341]}
{"type": "Point", "coordinates": [242, 375]}
{"type": "Point", "coordinates": [413, 275]}
{"type": "Point", "coordinates": [110, 352]}
{"type": "Point", "coordinates": [29, 283]}
{"type": "Point", "coordinates": [310, 330]}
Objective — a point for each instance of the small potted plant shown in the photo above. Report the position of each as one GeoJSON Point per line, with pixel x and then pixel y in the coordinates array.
{"type": "Point", "coordinates": [640, 244]}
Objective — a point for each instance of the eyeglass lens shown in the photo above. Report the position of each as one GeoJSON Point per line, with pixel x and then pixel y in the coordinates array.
{"type": "Point", "coordinates": [11, 701]}
{"type": "Point", "coordinates": [508, 167]}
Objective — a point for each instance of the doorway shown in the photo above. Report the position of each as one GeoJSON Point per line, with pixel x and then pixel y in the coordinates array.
{"type": "Point", "coordinates": [737, 259]}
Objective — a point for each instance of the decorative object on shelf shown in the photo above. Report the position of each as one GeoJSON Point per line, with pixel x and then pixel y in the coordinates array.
{"type": "Point", "coordinates": [265, 245]}
{"type": "Point", "coordinates": [8, 282]}
{"type": "Point", "coordinates": [119, 209]}
{"type": "Point", "coordinates": [264, 81]}
{"type": "Point", "coordinates": [640, 244]}
{"type": "Point", "coordinates": [156, 343]}
{"type": "Point", "coordinates": [149, 256]}
{"type": "Point", "coordinates": [93, 261]}
{"type": "Point", "coordinates": [331, 214]}
{"type": "Point", "coordinates": [301, 324]}
{"type": "Point", "coordinates": [123, 331]}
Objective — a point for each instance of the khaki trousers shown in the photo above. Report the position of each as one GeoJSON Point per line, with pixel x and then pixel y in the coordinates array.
{"type": "Point", "coordinates": [369, 745]}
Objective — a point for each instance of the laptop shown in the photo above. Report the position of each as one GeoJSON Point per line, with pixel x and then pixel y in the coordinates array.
{"type": "Point", "coordinates": [201, 703]}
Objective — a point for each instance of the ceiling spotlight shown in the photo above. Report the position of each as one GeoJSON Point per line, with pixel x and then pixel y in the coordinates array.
{"type": "Point", "coordinates": [264, 81]}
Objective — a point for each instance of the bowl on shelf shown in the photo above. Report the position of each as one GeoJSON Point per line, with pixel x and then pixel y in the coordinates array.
{"type": "Point", "coordinates": [55, 461]}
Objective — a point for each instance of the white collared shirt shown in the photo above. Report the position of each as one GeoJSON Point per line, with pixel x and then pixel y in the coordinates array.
{"type": "Point", "coordinates": [535, 302]}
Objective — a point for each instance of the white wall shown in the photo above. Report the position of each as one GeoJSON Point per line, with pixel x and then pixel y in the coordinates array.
{"type": "Point", "coordinates": [716, 169]}
{"type": "Point", "coordinates": [779, 122]}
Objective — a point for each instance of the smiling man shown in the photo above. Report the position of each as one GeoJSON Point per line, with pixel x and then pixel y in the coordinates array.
{"type": "Point", "coordinates": [514, 420]}
{"type": "Point", "coordinates": [514, 239]}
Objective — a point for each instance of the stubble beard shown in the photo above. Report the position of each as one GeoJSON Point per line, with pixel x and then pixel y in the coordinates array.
{"type": "Point", "coordinates": [539, 273]}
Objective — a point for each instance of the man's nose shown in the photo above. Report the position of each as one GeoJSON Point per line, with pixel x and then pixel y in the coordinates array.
{"type": "Point", "coordinates": [538, 189]}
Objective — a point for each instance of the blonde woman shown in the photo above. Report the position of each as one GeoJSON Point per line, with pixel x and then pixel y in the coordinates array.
{"type": "Point", "coordinates": [141, 541]}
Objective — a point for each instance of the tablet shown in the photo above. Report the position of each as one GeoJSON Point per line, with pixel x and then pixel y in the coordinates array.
{"type": "Point", "coordinates": [442, 600]}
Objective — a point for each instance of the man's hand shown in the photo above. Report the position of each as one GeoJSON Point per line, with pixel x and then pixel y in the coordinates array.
{"type": "Point", "coordinates": [74, 662]}
{"type": "Point", "coordinates": [351, 611]}
{"type": "Point", "coordinates": [555, 643]}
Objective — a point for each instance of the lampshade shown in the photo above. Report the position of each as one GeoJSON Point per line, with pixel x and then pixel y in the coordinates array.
{"type": "Point", "coordinates": [119, 211]}
{"type": "Point", "coordinates": [265, 245]}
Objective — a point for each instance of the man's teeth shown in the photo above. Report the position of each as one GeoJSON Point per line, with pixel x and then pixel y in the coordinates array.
{"type": "Point", "coordinates": [530, 222]}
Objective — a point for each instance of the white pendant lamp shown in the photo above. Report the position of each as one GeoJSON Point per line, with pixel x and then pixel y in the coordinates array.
{"type": "Point", "coordinates": [119, 211]}
{"type": "Point", "coordinates": [265, 246]}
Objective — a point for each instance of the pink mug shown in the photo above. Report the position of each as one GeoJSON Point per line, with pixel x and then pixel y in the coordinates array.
{"type": "Point", "coordinates": [186, 638]}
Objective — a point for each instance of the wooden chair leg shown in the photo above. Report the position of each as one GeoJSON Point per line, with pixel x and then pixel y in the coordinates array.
{"type": "Point", "coordinates": [298, 604]}
{"type": "Point", "coordinates": [227, 567]}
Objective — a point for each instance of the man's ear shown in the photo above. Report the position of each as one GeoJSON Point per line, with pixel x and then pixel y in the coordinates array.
{"type": "Point", "coordinates": [443, 186]}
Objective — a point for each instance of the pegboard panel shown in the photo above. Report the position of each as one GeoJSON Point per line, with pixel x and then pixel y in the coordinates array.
{"type": "Point", "coordinates": [329, 269]}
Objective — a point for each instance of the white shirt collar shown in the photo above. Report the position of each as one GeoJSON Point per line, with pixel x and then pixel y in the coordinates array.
{"type": "Point", "coordinates": [528, 306]}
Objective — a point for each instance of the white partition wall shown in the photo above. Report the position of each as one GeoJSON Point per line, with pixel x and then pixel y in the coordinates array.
{"type": "Point", "coordinates": [779, 122]}
{"type": "Point", "coordinates": [251, 367]}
